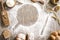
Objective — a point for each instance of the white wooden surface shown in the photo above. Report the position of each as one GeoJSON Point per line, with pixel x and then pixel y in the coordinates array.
{"type": "Point", "coordinates": [35, 29]}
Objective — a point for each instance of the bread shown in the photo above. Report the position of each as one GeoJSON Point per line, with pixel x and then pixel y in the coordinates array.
{"type": "Point", "coordinates": [55, 35]}
{"type": "Point", "coordinates": [6, 34]}
{"type": "Point", "coordinates": [21, 36]}
{"type": "Point", "coordinates": [4, 18]}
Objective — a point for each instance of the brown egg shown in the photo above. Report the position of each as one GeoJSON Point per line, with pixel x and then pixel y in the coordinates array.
{"type": "Point", "coordinates": [59, 33]}
{"type": "Point", "coordinates": [54, 33]}
{"type": "Point", "coordinates": [54, 1]}
{"type": "Point", "coordinates": [58, 38]}
{"type": "Point", "coordinates": [57, 8]}
{"type": "Point", "coordinates": [52, 37]}
{"type": "Point", "coordinates": [0, 0]}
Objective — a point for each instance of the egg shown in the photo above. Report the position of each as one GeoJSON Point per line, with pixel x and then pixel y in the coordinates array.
{"type": "Point", "coordinates": [54, 1]}
{"type": "Point", "coordinates": [57, 8]}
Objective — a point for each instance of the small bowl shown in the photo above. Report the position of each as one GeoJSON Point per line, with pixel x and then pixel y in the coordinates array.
{"type": "Point", "coordinates": [8, 4]}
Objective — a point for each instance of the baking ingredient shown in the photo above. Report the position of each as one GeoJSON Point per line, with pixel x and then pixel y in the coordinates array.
{"type": "Point", "coordinates": [10, 3]}
{"type": "Point", "coordinates": [57, 8]}
{"type": "Point", "coordinates": [55, 35]}
{"type": "Point", "coordinates": [21, 36]}
{"type": "Point", "coordinates": [6, 34]}
{"type": "Point", "coordinates": [54, 2]}
{"type": "Point", "coordinates": [4, 16]}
